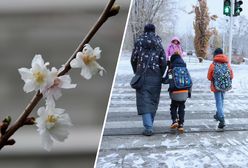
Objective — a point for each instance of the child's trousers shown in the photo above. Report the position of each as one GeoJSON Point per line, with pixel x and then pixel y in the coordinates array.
{"type": "Point", "coordinates": [177, 111]}
{"type": "Point", "coordinates": [219, 99]}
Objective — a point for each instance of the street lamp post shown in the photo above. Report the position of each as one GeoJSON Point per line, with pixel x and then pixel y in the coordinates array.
{"type": "Point", "coordinates": [230, 32]}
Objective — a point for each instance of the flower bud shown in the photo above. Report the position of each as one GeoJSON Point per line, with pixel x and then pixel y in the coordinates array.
{"type": "Point", "coordinates": [3, 127]}
{"type": "Point", "coordinates": [7, 120]}
{"type": "Point", "coordinates": [10, 142]}
{"type": "Point", "coordinates": [29, 121]}
{"type": "Point", "coordinates": [114, 10]}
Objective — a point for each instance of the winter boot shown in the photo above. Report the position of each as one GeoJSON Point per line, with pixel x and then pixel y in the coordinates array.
{"type": "Point", "coordinates": [174, 125]}
{"type": "Point", "coordinates": [180, 129]}
{"type": "Point", "coordinates": [216, 117]}
{"type": "Point", "coordinates": [147, 132]}
{"type": "Point", "coordinates": [221, 123]}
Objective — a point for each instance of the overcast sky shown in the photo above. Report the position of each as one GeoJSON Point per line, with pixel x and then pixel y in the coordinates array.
{"type": "Point", "coordinates": [185, 21]}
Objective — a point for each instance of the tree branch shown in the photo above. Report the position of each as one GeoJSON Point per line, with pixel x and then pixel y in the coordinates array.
{"type": "Point", "coordinates": [109, 11]}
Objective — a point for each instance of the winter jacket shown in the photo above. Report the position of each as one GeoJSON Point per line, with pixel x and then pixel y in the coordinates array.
{"type": "Point", "coordinates": [172, 48]}
{"type": "Point", "coordinates": [177, 94]}
{"type": "Point", "coordinates": [148, 46]}
{"type": "Point", "coordinates": [221, 58]}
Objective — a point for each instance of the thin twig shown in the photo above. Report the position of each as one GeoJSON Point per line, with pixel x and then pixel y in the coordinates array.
{"type": "Point", "coordinates": [110, 10]}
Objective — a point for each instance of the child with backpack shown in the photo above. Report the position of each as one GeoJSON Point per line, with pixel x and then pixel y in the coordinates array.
{"type": "Point", "coordinates": [180, 85]}
{"type": "Point", "coordinates": [220, 74]}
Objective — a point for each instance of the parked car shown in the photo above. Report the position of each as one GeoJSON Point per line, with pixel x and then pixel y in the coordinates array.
{"type": "Point", "coordinates": [190, 53]}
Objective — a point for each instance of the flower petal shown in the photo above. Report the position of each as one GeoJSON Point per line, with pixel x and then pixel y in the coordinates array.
{"type": "Point", "coordinates": [76, 62]}
{"type": "Point", "coordinates": [29, 86]}
{"type": "Point", "coordinates": [25, 73]}
{"type": "Point", "coordinates": [97, 52]}
{"type": "Point", "coordinates": [101, 72]}
{"type": "Point", "coordinates": [40, 123]}
{"type": "Point", "coordinates": [86, 72]}
{"type": "Point", "coordinates": [96, 68]}
{"type": "Point", "coordinates": [88, 50]}
{"type": "Point", "coordinates": [59, 111]}
{"type": "Point", "coordinates": [37, 60]}
{"type": "Point", "coordinates": [60, 133]}
{"type": "Point", "coordinates": [42, 112]}
{"type": "Point", "coordinates": [50, 102]}
{"type": "Point", "coordinates": [66, 82]}
{"type": "Point", "coordinates": [54, 72]}
{"type": "Point", "coordinates": [65, 119]}
{"type": "Point", "coordinates": [57, 93]}
{"type": "Point", "coordinates": [46, 141]}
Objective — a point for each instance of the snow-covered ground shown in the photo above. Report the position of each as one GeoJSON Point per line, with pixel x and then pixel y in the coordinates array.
{"type": "Point", "coordinates": [200, 147]}
{"type": "Point", "coordinates": [196, 150]}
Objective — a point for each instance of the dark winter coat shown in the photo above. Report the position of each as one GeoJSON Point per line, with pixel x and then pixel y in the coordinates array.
{"type": "Point", "coordinates": [148, 46]}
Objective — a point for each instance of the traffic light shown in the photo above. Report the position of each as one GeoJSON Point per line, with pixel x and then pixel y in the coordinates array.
{"type": "Point", "coordinates": [227, 7]}
{"type": "Point", "coordinates": [237, 7]}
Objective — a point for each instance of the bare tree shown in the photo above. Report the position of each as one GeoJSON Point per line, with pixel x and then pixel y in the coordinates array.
{"type": "Point", "coordinates": [158, 12]}
{"type": "Point", "coordinates": [215, 40]}
{"type": "Point", "coordinates": [187, 41]}
{"type": "Point", "coordinates": [143, 12]}
{"type": "Point", "coordinates": [240, 36]}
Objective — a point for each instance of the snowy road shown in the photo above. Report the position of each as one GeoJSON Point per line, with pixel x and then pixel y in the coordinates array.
{"type": "Point", "coordinates": [201, 150]}
{"type": "Point", "coordinates": [200, 146]}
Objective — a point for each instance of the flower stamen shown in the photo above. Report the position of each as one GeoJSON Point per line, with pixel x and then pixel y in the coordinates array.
{"type": "Point", "coordinates": [39, 77]}
{"type": "Point", "coordinates": [87, 59]}
{"type": "Point", "coordinates": [51, 119]}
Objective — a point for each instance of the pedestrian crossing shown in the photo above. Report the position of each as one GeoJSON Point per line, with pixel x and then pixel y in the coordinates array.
{"type": "Point", "coordinates": [122, 116]}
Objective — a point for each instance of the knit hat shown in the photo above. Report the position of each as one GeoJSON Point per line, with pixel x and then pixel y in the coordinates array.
{"type": "Point", "coordinates": [218, 51]}
{"type": "Point", "coordinates": [149, 28]}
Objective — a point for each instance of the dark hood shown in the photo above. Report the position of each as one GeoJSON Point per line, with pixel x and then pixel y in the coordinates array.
{"type": "Point", "coordinates": [150, 40]}
{"type": "Point", "coordinates": [177, 61]}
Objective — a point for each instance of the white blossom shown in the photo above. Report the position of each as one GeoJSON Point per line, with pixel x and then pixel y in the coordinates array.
{"type": "Point", "coordinates": [61, 82]}
{"type": "Point", "coordinates": [87, 61]}
{"type": "Point", "coordinates": [37, 77]}
{"type": "Point", "coordinates": [53, 124]}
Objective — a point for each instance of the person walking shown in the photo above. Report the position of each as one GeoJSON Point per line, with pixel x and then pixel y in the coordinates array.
{"type": "Point", "coordinates": [148, 59]}
{"type": "Point", "coordinates": [220, 74]}
{"type": "Point", "coordinates": [174, 48]}
{"type": "Point", "coordinates": [180, 87]}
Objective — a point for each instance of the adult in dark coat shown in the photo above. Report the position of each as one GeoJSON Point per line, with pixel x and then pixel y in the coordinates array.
{"type": "Point", "coordinates": [148, 47]}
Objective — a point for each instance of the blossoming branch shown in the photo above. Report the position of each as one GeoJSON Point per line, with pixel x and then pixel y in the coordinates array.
{"type": "Point", "coordinates": [53, 123]}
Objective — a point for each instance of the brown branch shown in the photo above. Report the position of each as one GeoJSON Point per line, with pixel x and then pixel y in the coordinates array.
{"type": "Point", "coordinates": [109, 11]}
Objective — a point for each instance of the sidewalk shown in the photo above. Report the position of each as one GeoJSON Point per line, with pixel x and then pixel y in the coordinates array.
{"type": "Point", "coordinates": [200, 146]}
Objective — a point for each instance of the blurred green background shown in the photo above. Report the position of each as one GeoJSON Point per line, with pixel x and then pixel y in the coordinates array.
{"type": "Point", "coordinates": [54, 29]}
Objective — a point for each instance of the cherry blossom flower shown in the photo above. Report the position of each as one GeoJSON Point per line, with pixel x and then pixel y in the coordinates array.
{"type": "Point", "coordinates": [87, 61]}
{"type": "Point", "coordinates": [37, 77]}
{"type": "Point", "coordinates": [53, 124]}
{"type": "Point", "coordinates": [61, 82]}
